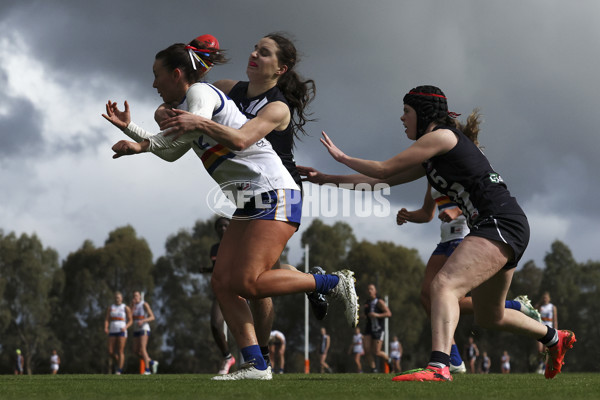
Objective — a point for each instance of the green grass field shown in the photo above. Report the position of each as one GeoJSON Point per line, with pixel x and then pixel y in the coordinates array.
{"type": "Point", "coordinates": [299, 386]}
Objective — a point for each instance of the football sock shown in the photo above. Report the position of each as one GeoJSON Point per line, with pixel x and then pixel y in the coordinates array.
{"type": "Point", "coordinates": [455, 358]}
{"type": "Point", "coordinates": [439, 359]}
{"type": "Point", "coordinates": [252, 354]}
{"type": "Point", "coordinates": [325, 282]}
{"type": "Point", "coordinates": [265, 353]}
{"type": "Point", "coordinates": [550, 339]}
{"type": "Point", "coordinates": [513, 304]}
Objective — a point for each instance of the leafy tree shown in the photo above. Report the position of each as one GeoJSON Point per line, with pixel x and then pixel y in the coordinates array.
{"type": "Point", "coordinates": [28, 273]}
{"type": "Point", "coordinates": [92, 276]}
{"type": "Point", "coordinates": [397, 272]}
{"type": "Point", "coordinates": [184, 297]}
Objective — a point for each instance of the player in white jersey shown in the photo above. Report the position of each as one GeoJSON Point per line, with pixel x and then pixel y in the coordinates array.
{"type": "Point", "coordinates": [549, 316]}
{"type": "Point", "coordinates": [54, 362]}
{"type": "Point", "coordinates": [116, 322]}
{"type": "Point", "coordinates": [357, 349]}
{"type": "Point", "coordinates": [396, 354]}
{"type": "Point", "coordinates": [277, 350]}
{"type": "Point", "coordinates": [261, 225]}
{"type": "Point", "coordinates": [142, 314]}
{"type": "Point", "coordinates": [276, 105]}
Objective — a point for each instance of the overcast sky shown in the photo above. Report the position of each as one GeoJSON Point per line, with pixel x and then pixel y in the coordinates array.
{"type": "Point", "coordinates": [530, 66]}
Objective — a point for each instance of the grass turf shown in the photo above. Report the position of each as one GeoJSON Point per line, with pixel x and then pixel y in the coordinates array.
{"type": "Point", "coordinates": [567, 386]}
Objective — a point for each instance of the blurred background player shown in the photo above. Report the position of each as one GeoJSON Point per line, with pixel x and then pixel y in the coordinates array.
{"type": "Point", "coordinates": [357, 349]}
{"type": "Point", "coordinates": [217, 322]}
{"type": "Point", "coordinates": [396, 355]}
{"type": "Point", "coordinates": [505, 359]}
{"type": "Point", "coordinates": [324, 345]}
{"type": "Point", "coordinates": [277, 351]}
{"type": "Point", "coordinates": [471, 353]}
{"type": "Point", "coordinates": [54, 362]}
{"type": "Point", "coordinates": [549, 317]}
{"type": "Point", "coordinates": [142, 315]}
{"type": "Point", "coordinates": [19, 363]}
{"type": "Point", "coordinates": [486, 363]}
{"type": "Point", "coordinates": [376, 312]}
{"type": "Point", "coordinates": [117, 321]}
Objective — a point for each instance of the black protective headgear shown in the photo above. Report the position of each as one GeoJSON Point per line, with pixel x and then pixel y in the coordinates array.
{"type": "Point", "coordinates": [430, 104]}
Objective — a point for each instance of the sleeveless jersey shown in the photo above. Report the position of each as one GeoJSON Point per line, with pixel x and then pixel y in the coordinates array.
{"type": "Point", "coordinates": [277, 337]}
{"type": "Point", "coordinates": [256, 169]}
{"type": "Point", "coordinates": [485, 363]}
{"type": "Point", "coordinates": [466, 176]}
{"type": "Point", "coordinates": [472, 352]}
{"type": "Point", "coordinates": [395, 350]}
{"type": "Point", "coordinates": [139, 312]}
{"type": "Point", "coordinates": [455, 229]}
{"type": "Point", "coordinates": [547, 314]}
{"type": "Point", "coordinates": [373, 324]}
{"type": "Point", "coordinates": [357, 343]}
{"type": "Point", "coordinates": [323, 343]}
{"type": "Point", "coordinates": [282, 141]}
{"type": "Point", "coordinates": [54, 359]}
{"type": "Point", "coordinates": [118, 318]}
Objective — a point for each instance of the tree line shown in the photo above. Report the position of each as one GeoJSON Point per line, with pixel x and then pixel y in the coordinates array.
{"type": "Point", "coordinates": [46, 304]}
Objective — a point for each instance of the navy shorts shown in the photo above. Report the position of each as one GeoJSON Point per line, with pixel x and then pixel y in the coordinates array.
{"type": "Point", "coordinates": [279, 205]}
{"type": "Point", "coordinates": [118, 334]}
{"type": "Point", "coordinates": [141, 333]}
{"type": "Point", "coordinates": [511, 229]}
{"type": "Point", "coordinates": [446, 248]}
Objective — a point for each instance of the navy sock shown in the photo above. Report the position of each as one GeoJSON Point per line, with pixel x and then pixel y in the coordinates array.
{"type": "Point", "coordinates": [455, 358]}
{"type": "Point", "coordinates": [439, 359]}
{"type": "Point", "coordinates": [513, 304]}
{"type": "Point", "coordinates": [252, 354]}
{"type": "Point", "coordinates": [325, 282]}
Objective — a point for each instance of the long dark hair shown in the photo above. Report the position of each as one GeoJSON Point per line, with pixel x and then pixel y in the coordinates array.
{"type": "Point", "coordinates": [298, 92]}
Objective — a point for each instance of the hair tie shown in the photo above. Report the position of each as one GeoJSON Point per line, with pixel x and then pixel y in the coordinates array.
{"type": "Point", "coordinates": [453, 114]}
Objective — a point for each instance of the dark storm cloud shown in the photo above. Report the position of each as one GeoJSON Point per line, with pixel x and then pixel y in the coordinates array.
{"type": "Point", "coordinates": [20, 127]}
{"type": "Point", "coordinates": [531, 69]}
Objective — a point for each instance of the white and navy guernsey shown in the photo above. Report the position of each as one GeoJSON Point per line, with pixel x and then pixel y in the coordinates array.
{"type": "Point", "coordinates": [256, 169]}
{"type": "Point", "coordinates": [282, 141]}
{"type": "Point", "coordinates": [455, 229]}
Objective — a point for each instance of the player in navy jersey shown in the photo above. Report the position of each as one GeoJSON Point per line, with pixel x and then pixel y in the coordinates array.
{"type": "Point", "coordinates": [453, 229]}
{"type": "Point", "coordinates": [484, 262]}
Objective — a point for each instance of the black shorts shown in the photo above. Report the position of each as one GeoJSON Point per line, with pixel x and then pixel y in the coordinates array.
{"type": "Point", "coordinates": [376, 335]}
{"type": "Point", "coordinates": [511, 229]}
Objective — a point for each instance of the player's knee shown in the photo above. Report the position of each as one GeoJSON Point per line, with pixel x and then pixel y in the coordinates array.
{"type": "Point", "coordinates": [426, 301]}
{"type": "Point", "coordinates": [491, 319]}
